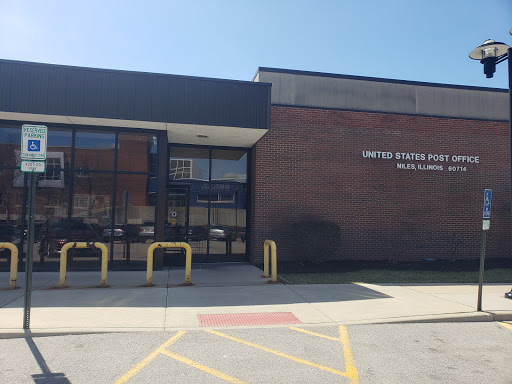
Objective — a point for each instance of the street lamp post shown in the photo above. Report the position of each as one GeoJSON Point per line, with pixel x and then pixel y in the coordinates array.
{"type": "Point", "coordinates": [491, 53]}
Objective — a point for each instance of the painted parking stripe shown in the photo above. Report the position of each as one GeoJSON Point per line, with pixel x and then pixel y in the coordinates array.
{"type": "Point", "coordinates": [286, 356]}
{"type": "Point", "coordinates": [135, 370]}
{"type": "Point", "coordinates": [506, 325]}
{"type": "Point", "coordinates": [315, 334]}
{"type": "Point", "coordinates": [202, 367]}
{"type": "Point", "coordinates": [350, 366]}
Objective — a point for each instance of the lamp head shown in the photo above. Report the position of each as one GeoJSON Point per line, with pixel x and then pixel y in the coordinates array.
{"type": "Point", "coordinates": [488, 53]}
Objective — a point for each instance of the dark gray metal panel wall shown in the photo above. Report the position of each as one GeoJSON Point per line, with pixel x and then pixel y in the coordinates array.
{"type": "Point", "coordinates": [320, 90]}
{"type": "Point", "coordinates": [71, 91]}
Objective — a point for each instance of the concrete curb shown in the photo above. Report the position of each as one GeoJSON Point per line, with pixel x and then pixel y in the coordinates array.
{"type": "Point", "coordinates": [469, 317]}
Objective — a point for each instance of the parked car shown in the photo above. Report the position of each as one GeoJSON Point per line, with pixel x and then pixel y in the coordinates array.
{"type": "Point", "coordinates": [54, 234]}
{"type": "Point", "coordinates": [221, 232]}
{"type": "Point", "coordinates": [243, 234]}
{"type": "Point", "coordinates": [196, 233]}
{"type": "Point", "coordinates": [175, 234]}
{"type": "Point", "coordinates": [37, 229]}
{"type": "Point", "coordinates": [147, 231]}
{"type": "Point", "coordinates": [8, 234]}
{"type": "Point", "coordinates": [121, 232]}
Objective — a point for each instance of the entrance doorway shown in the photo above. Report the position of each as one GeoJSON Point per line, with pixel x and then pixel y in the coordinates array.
{"type": "Point", "coordinates": [207, 195]}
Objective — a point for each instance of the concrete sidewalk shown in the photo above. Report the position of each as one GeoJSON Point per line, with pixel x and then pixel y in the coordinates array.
{"type": "Point", "coordinates": [224, 289]}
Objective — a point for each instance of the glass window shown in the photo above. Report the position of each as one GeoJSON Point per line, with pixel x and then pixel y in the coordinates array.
{"type": "Point", "coordinates": [137, 153]}
{"type": "Point", "coordinates": [54, 174]}
{"type": "Point", "coordinates": [59, 140]}
{"type": "Point", "coordinates": [219, 197]}
{"type": "Point", "coordinates": [229, 165]}
{"type": "Point", "coordinates": [134, 218]}
{"type": "Point", "coordinates": [228, 206]}
{"type": "Point", "coordinates": [94, 150]}
{"type": "Point", "coordinates": [92, 198]}
{"type": "Point", "coordinates": [10, 146]}
{"type": "Point", "coordinates": [191, 164]}
{"type": "Point", "coordinates": [11, 191]}
{"type": "Point", "coordinates": [59, 147]}
{"type": "Point", "coordinates": [91, 212]}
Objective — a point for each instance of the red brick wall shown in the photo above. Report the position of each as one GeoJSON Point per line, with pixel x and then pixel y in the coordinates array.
{"type": "Point", "coordinates": [310, 165]}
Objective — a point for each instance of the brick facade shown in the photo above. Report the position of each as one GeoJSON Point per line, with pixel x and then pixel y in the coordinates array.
{"type": "Point", "coordinates": [310, 165]}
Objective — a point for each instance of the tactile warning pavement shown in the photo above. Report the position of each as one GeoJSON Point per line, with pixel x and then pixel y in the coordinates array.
{"type": "Point", "coordinates": [234, 319]}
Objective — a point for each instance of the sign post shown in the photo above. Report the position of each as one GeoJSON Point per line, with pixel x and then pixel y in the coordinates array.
{"type": "Point", "coordinates": [33, 156]}
{"type": "Point", "coordinates": [485, 227]}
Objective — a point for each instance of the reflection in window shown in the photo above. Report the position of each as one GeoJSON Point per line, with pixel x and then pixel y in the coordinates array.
{"type": "Point", "coordinates": [92, 198]}
{"type": "Point", "coordinates": [189, 163]}
{"type": "Point", "coordinates": [184, 169]}
{"type": "Point", "coordinates": [177, 201]}
{"type": "Point", "coordinates": [94, 150]}
{"type": "Point", "coordinates": [137, 153]}
{"type": "Point", "coordinates": [53, 175]}
{"type": "Point", "coordinates": [53, 166]}
{"type": "Point", "coordinates": [228, 208]}
{"type": "Point", "coordinates": [229, 165]}
{"type": "Point", "coordinates": [11, 195]}
{"type": "Point", "coordinates": [216, 199]}
{"type": "Point", "coordinates": [10, 146]}
{"type": "Point", "coordinates": [59, 140]}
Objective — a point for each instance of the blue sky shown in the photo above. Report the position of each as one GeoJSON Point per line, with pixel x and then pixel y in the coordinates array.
{"type": "Point", "coordinates": [422, 40]}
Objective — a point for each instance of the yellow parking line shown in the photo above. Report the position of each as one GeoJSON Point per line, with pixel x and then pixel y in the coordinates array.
{"type": "Point", "coordinates": [135, 370]}
{"type": "Point", "coordinates": [506, 325]}
{"type": "Point", "coordinates": [315, 334]}
{"type": "Point", "coordinates": [349, 357]}
{"type": "Point", "coordinates": [347, 350]}
{"type": "Point", "coordinates": [296, 359]}
{"type": "Point", "coordinates": [202, 367]}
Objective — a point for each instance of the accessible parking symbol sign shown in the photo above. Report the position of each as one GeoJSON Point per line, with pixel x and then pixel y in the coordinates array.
{"type": "Point", "coordinates": [487, 203]}
{"type": "Point", "coordinates": [33, 142]}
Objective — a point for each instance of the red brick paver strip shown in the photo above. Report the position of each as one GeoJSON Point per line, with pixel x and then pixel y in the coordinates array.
{"type": "Point", "coordinates": [234, 319]}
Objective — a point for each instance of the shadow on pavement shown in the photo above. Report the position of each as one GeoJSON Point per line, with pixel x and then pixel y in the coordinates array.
{"type": "Point", "coordinates": [47, 376]}
{"type": "Point", "coordinates": [215, 286]}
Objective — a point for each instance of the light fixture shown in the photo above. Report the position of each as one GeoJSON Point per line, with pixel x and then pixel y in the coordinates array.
{"type": "Point", "coordinates": [490, 53]}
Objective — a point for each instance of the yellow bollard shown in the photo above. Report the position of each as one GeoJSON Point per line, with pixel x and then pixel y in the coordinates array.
{"type": "Point", "coordinates": [188, 260]}
{"type": "Point", "coordinates": [64, 260]}
{"type": "Point", "coordinates": [272, 245]}
{"type": "Point", "coordinates": [104, 263]}
{"type": "Point", "coordinates": [14, 263]}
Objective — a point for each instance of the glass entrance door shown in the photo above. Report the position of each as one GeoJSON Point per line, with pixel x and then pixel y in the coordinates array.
{"type": "Point", "coordinates": [176, 222]}
{"type": "Point", "coordinates": [217, 195]}
{"type": "Point", "coordinates": [176, 219]}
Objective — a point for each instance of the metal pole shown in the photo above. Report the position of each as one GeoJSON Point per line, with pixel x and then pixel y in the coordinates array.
{"type": "Point", "coordinates": [481, 275]}
{"type": "Point", "coordinates": [30, 246]}
{"type": "Point", "coordinates": [509, 294]}
{"type": "Point", "coordinates": [24, 224]}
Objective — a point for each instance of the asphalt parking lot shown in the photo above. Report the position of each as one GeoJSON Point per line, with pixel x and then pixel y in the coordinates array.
{"type": "Point", "coordinates": [376, 353]}
{"type": "Point", "coordinates": [239, 356]}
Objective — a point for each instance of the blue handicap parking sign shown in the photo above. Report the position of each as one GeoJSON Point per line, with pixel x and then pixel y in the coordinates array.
{"type": "Point", "coordinates": [487, 203]}
{"type": "Point", "coordinates": [34, 145]}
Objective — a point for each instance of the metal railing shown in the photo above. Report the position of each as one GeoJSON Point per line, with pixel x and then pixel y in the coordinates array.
{"type": "Point", "coordinates": [161, 245]}
{"type": "Point", "coordinates": [14, 263]}
{"type": "Point", "coordinates": [272, 245]}
{"type": "Point", "coordinates": [63, 260]}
